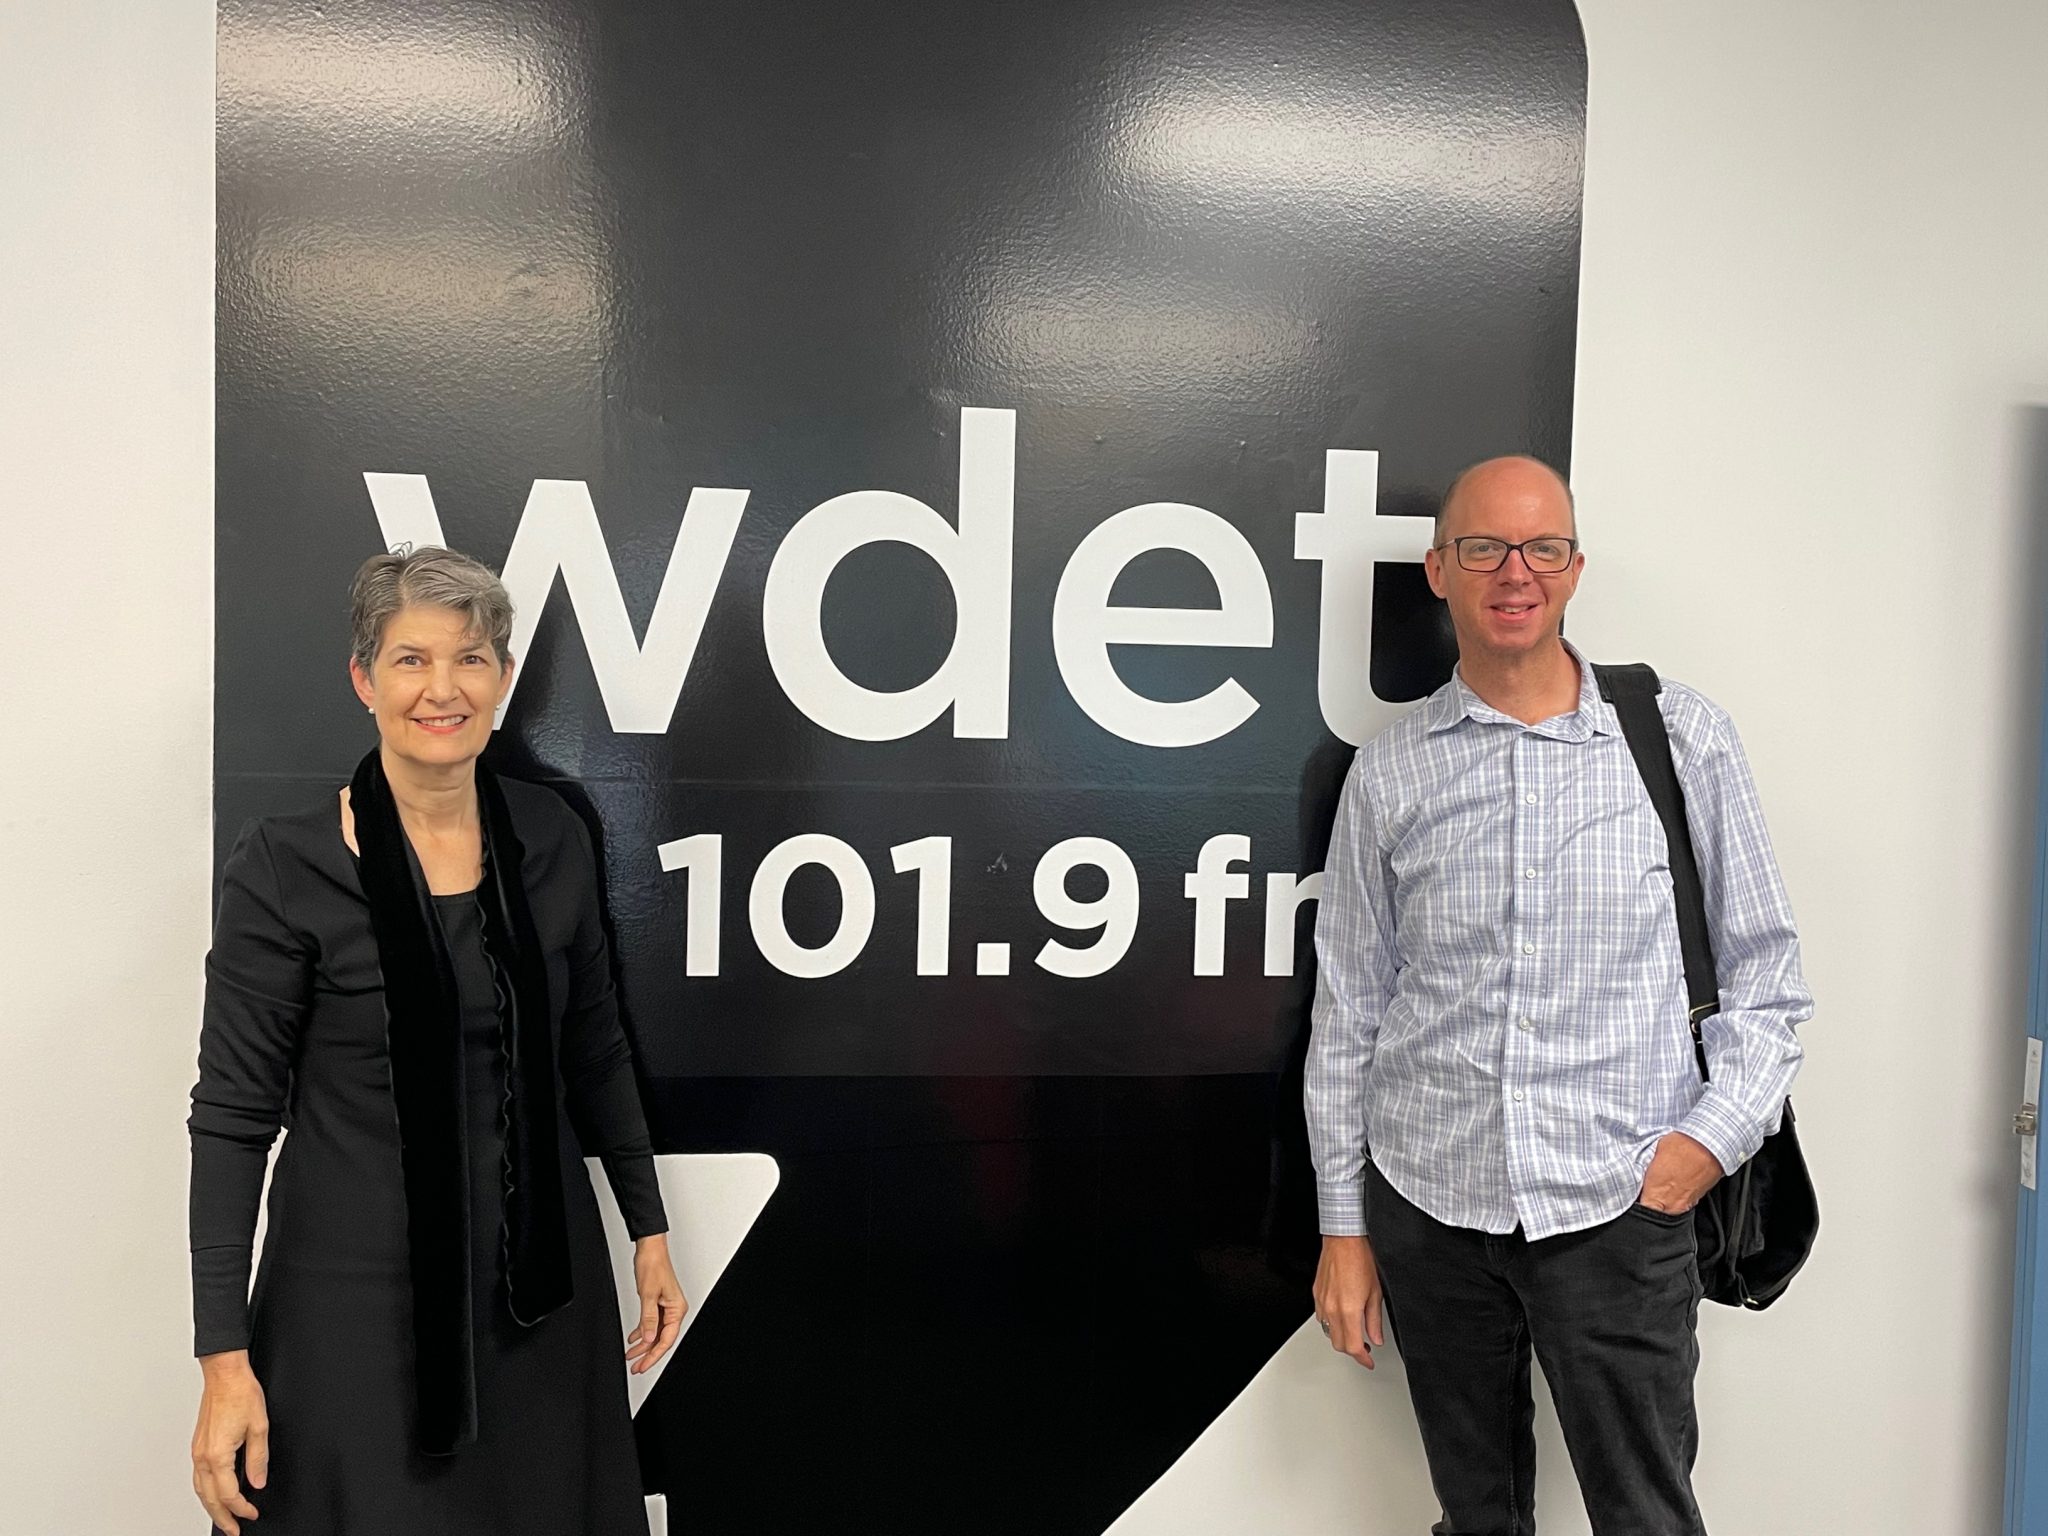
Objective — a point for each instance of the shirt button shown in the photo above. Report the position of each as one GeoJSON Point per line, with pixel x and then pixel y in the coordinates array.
{"type": "Point", "coordinates": [1531, 798]}
{"type": "Point", "coordinates": [1528, 874]}
{"type": "Point", "coordinates": [1523, 1024]}
{"type": "Point", "coordinates": [1528, 949]}
{"type": "Point", "coordinates": [1518, 1095]}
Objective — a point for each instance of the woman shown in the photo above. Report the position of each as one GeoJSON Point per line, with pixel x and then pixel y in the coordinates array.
{"type": "Point", "coordinates": [416, 981]}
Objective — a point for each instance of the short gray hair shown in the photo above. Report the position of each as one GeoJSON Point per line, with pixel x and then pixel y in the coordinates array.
{"type": "Point", "coordinates": [429, 577]}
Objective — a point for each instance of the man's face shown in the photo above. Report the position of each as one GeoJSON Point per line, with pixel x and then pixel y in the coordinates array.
{"type": "Point", "coordinates": [1514, 609]}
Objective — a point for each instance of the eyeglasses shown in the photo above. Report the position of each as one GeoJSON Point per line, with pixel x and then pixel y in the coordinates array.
{"type": "Point", "coordinates": [1546, 557]}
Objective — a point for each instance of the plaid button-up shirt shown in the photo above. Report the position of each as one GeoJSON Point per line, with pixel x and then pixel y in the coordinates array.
{"type": "Point", "coordinates": [1501, 1012]}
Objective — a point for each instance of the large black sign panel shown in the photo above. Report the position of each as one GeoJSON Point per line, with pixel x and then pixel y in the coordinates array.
{"type": "Point", "coordinates": [962, 470]}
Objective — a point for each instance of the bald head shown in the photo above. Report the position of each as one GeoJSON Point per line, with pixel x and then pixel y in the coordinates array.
{"type": "Point", "coordinates": [1511, 483]}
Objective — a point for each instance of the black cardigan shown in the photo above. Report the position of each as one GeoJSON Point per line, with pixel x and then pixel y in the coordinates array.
{"type": "Point", "coordinates": [294, 1035]}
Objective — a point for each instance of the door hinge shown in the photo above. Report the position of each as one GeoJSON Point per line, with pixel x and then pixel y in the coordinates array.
{"type": "Point", "coordinates": [2027, 1123]}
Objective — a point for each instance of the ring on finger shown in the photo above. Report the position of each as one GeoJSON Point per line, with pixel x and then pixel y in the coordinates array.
{"type": "Point", "coordinates": [1323, 1323]}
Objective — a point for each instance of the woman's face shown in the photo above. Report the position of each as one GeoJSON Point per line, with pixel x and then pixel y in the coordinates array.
{"type": "Point", "coordinates": [434, 686]}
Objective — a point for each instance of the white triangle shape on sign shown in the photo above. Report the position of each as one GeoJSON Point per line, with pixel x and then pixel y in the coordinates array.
{"type": "Point", "coordinates": [713, 1200]}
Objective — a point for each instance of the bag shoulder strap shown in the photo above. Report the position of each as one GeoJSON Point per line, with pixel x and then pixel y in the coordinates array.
{"type": "Point", "coordinates": [1632, 689]}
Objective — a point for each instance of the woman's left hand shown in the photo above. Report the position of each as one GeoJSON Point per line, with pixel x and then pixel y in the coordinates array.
{"type": "Point", "coordinates": [661, 1304]}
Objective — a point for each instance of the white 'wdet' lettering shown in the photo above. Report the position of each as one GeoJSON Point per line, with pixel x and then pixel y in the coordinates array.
{"type": "Point", "coordinates": [975, 676]}
{"type": "Point", "coordinates": [1348, 535]}
{"type": "Point", "coordinates": [559, 532]}
{"type": "Point", "coordinates": [641, 682]}
{"type": "Point", "coordinates": [1085, 625]}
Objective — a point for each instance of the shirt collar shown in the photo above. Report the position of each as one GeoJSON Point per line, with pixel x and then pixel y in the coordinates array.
{"type": "Point", "coordinates": [1594, 717]}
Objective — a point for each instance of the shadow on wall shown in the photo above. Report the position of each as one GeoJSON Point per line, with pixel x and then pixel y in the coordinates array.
{"type": "Point", "coordinates": [2030, 643]}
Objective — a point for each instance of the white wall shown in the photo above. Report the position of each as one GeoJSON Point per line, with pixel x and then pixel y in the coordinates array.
{"type": "Point", "coordinates": [1812, 316]}
{"type": "Point", "coordinates": [106, 609]}
{"type": "Point", "coordinates": [1814, 321]}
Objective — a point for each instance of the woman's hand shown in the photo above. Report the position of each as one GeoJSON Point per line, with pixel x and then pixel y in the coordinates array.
{"type": "Point", "coordinates": [232, 1417]}
{"type": "Point", "coordinates": [661, 1304]}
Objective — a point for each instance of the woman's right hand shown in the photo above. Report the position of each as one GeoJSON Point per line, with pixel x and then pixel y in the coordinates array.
{"type": "Point", "coordinates": [232, 1417]}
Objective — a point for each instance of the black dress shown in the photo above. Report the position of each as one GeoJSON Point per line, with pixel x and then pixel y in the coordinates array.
{"type": "Point", "coordinates": [294, 1033]}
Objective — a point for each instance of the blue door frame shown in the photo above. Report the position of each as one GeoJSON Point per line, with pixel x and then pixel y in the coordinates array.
{"type": "Point", "coordinates": [2026, 1453]}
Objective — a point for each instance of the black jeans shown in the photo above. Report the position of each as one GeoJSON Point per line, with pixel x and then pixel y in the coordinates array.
{"type": "Point", "coordinates": [1610, 1312]}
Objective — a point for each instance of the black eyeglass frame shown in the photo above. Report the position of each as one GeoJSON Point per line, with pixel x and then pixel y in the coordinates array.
{"type": "Point", "coordinates": [1480, 538]}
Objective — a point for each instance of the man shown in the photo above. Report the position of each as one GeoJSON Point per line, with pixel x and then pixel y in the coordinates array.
{"type": "Point", "coordinates": [1509, 1127]}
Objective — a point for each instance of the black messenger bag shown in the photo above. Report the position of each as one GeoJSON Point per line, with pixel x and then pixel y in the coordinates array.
{"type": "Point", "coordinates": [1756, 1226]}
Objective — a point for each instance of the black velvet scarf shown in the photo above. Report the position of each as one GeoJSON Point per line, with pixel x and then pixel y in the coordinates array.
{"type": "Point", "coordinates": [423, 1025]}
